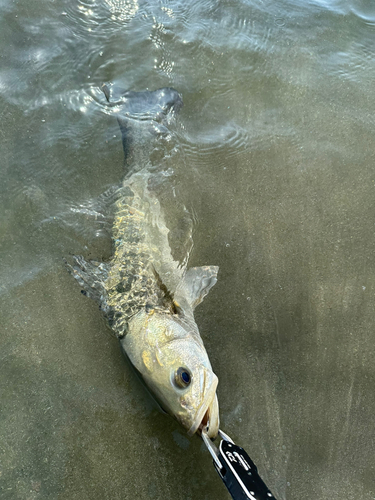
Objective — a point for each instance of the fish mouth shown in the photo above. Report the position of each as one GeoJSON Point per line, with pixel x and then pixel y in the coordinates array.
{"type": "Point", "coordinates": [207, 414]}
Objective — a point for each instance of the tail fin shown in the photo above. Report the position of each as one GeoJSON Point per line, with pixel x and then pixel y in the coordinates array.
{"type": "Point", "coordinates": [142, 116]}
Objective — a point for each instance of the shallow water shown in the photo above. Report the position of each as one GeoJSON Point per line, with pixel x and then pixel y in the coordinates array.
{"type": "Point", "coordinates": [273, 154]}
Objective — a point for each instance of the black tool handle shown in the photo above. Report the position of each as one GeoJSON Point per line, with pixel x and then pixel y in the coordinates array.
{"type": "Point", "coordinates": [239, 474]}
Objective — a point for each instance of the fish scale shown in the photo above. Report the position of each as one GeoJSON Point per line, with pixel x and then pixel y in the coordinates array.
{"type": "Point", "coordinates": [131, 284]}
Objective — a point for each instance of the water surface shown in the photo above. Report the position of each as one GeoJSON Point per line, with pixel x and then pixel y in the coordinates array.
{"type": "Point", "coordinates": [273, 154]}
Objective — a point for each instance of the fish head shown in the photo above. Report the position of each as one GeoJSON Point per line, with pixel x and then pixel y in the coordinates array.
{"type": "Point", "coordinates": [186, 385]}
{"type": "Point", "coordinates": [170, 356]}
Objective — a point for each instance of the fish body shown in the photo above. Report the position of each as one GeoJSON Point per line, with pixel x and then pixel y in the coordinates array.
{"type": "Point", "coordinates": [147, 296]}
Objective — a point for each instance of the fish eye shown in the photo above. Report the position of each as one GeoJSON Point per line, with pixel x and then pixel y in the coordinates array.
{"type": "Point", "coordinates": [182, 377]}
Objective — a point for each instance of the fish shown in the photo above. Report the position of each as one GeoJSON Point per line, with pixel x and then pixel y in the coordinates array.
{"type": "Point", "coordinates": [147, 296]}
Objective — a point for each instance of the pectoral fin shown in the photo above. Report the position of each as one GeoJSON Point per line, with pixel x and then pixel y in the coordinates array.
{"type": "Point", "coordinates": [196, 284]}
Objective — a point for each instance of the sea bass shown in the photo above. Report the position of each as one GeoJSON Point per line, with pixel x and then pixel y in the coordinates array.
{"type": "Point", "coordinates": [148, 297]}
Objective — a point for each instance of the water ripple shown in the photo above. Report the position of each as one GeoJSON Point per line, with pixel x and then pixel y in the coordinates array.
{"type": "Point", "coordinates": [225, 26]}
{"type": "Point", "coordinates": [364, 9]}
{"type": "Point", "coordinates": [230, 139]}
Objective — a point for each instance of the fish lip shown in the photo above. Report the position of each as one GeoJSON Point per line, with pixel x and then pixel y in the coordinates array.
{"type": "Point", "coordinates": [206, 405]}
